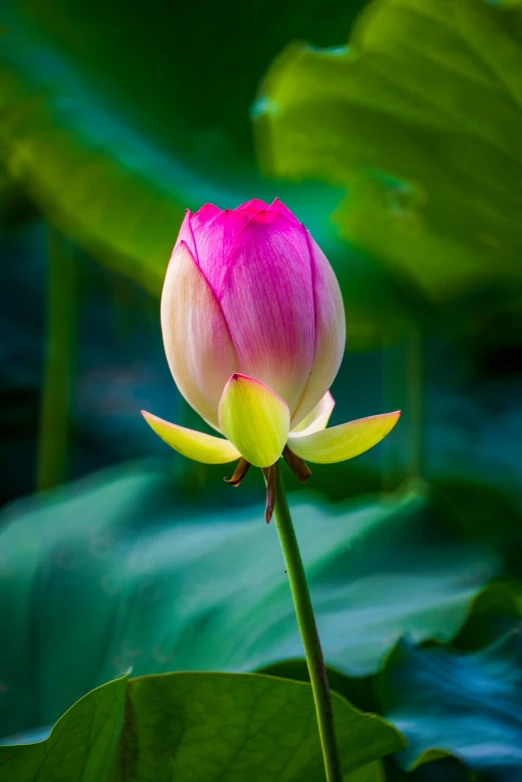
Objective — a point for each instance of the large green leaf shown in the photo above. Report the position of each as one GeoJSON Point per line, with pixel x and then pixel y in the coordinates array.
{"type": "Point", "coordinates": [114, 147]}
{"type": "Point", "coordinates": [159, 584]}
{"type": "Point", "coordinates": [420, 118]}
{"type": "Point", "coordinates": [467, 705]}
{"type": "Point", "coordinates": [199, 728]}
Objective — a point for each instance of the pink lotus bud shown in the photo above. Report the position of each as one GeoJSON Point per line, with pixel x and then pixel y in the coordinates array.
{"type": "Point", "coordinates": [254, 331]}
{"type": "Point", "coordinates": [248, 291]}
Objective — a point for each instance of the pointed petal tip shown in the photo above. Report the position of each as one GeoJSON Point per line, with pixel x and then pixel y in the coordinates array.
{"type": "Point", "coordinates": [252, 382]}
{"type": "Point", "coordinates": [248, 378]}
{"type": "Point", "coordinates": [183, 243]}
{"type": "Point", "coordinates": [194, 445]}
{"type": "Point", "coordinates": [206, 211]}
{"type": "Point", "coordinates": [239, 378]}
{"type": "Point", "coordinates": [252, 206]}
{"type": "Point", "coordinates": [278, 206]}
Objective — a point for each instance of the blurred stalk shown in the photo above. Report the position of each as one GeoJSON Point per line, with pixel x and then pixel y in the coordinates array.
{"type": "Point", "coordinates": [56, 381]}
{"type": "Point", "coordinates": [415, 401]}
{"type": "Point", "coordinates": [388, 364]}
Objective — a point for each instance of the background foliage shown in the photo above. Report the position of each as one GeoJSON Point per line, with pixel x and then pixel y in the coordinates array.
{"type": "Point", "coordinates": [401, 151]}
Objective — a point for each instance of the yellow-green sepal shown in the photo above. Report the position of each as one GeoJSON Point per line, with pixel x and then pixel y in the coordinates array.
{"type": "Point", "coordinates": [344, 441]}
{"type": "Point", "coordinates": [255, 419]}
{"type": "Point", "coordinates": [194, 445]}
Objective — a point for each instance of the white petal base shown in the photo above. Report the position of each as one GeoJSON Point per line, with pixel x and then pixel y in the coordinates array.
{"type": "Point", "coordinates": [317, 418]}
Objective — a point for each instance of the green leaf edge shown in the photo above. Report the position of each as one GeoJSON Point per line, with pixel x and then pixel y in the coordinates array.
{"type": "Point", "coordinates": [122, 692]}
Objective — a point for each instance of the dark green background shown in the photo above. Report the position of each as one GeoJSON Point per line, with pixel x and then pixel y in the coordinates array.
{"type": "Point", "coordinates": [403, 154]}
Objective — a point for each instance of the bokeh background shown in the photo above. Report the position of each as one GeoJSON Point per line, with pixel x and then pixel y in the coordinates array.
{"type": "Point", "coordinates": [401, 150]}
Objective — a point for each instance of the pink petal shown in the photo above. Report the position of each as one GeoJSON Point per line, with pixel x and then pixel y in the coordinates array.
{"type": "Point", "coordinates": [251, 208]}
{"type": "Point", "coordinates": [206, 213]}
{"type": "Point", "coordinates": [186, 234]}
{"type": "Point", "coordinates": [330, 331]}
{"type": "Point", "coordinates": [214, 241]}
{"type": "Point", "coordinates": [278, 206]}
{"type": "Point", "coordinates": [267, 298]}
{"type": "Point", "coordinates": [197, 340]}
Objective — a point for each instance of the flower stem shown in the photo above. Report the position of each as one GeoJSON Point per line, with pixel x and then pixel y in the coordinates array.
{"type": "Point", "coordinates": [307, 626]}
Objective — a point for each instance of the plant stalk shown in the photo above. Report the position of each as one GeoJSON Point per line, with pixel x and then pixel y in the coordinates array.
{"type": "Point", "coordinates": [388, 366]}
{"type": "Point", "coordinates": [308, 629]}
{"type": "Point", "coordinates": [53, 439]}
{"type": "Point", "coordinates": [415, 399]}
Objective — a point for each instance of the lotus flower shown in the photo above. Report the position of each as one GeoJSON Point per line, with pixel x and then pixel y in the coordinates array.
{"type": "Point", "coordinates": [254, 332]}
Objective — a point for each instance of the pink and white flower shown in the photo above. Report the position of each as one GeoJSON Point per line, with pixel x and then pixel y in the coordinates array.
{"type": "Point", "coordinates": [254, 331]}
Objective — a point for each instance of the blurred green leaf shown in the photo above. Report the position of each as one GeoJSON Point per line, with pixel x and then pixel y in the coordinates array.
{"type": "Point", "coordinates": [373, 772]}
{"type": "Point", "coordinates": [159, 584]}
{"type": "Point", "coordinates": [114, 145]}
{"type": "Point", "coordinates": [420, 119]}
{"type": "Point", "coordinates": [202, 727]}
{"type": "Point", "coordinates": [447, 769]}
{"type": "Point", "coordinates": [467, 705]}
{"type": "Point", "coordinates": [494, 613]}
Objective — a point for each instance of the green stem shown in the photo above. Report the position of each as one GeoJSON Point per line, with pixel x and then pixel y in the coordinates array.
{"type": "Point", "coordinates": [54, 405]}
{"type": "Point", "coordinates": [309, 635]}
